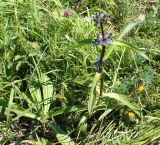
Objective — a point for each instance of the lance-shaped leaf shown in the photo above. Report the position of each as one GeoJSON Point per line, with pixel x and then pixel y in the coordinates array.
{"type": "Point", "coordinates": [125, 101]}
{"type": "Point", "coordinates": [92, 97]}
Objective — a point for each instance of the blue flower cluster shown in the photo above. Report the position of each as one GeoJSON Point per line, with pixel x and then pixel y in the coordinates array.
{"type": "Point", "coordinates": [103, 41]}
{"type": "Point", "coordinates": [100, 18]}
{"type": "Point", "coordinates": [98, 64]}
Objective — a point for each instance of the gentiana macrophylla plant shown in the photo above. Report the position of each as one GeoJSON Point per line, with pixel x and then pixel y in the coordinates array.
{"type": "Point", "coordinates": [105, 40]}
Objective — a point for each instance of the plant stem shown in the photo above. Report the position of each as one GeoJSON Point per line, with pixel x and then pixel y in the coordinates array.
{"type": "Point", "coordinates": [101, 85]}
{"type": "Point", "coordinates": [101, 61]}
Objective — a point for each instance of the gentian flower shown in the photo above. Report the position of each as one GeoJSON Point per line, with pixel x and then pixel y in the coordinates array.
{"type": "Point", "coordinates": [99, 18]}
{"type": "Point", "coordinates": [98, 64]}
{"type": "Point", "coordinates": [100, 41]}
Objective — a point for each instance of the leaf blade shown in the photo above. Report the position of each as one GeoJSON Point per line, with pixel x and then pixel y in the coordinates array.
{"type": "Point", "coordinates": [125, 101]}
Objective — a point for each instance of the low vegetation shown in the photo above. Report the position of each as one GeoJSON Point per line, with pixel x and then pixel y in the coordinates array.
{"type": "Point", "coordinates": [79, 72]}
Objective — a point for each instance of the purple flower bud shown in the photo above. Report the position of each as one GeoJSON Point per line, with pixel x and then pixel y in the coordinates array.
{"type": "Point", "coordinates": [66, 13]}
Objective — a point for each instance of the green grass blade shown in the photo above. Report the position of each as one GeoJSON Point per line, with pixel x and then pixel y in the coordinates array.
{"type": "Point", "coordinates": [105, 114]}
{"type": "Point", "coordinates": [19, 111]}
{"type": "Point", "coordinates": [58, 3]}
{"type": "Point", "coordinates": [80, 44]}
{"type": "Point", "coordinates": [68, 109]}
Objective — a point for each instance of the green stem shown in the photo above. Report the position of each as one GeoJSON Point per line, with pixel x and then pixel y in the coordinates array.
{"type": "Point", "coordinates": [101, 59]}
